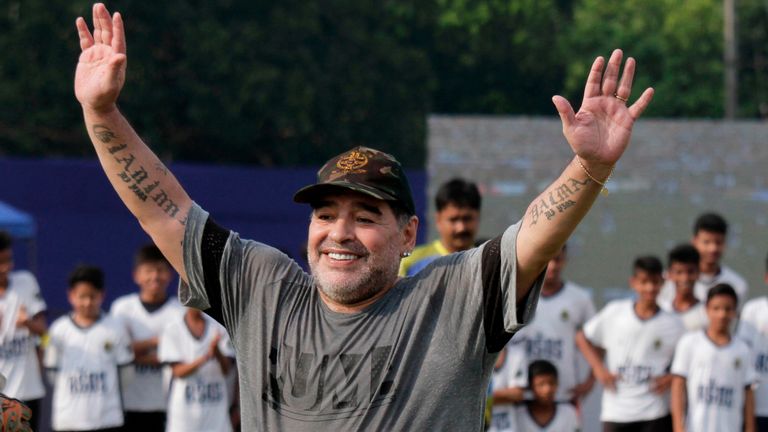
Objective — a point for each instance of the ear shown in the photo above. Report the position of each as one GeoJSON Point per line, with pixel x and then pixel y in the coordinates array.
{"type": "Point", "coordinates": [409, 234]}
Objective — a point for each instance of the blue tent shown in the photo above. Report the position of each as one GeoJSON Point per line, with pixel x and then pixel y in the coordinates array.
{"type": "Point", "coordinates": [19, 224]}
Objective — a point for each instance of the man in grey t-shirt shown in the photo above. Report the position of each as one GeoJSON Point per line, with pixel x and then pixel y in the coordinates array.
{"type": "Point", "coordinates": [352, 346]}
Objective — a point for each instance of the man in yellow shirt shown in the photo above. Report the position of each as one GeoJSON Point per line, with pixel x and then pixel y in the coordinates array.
{"type": "Point", "coordinates": [457, 220]}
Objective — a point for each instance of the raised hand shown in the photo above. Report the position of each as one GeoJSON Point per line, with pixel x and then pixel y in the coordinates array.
{"type": "Point", "coordinates": [599, 133]}
{"type": "Point", "coordinates": [100, 71]}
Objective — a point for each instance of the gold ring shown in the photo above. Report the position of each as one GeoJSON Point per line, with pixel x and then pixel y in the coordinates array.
{"type": "Point", "coordinates": [616, 95]}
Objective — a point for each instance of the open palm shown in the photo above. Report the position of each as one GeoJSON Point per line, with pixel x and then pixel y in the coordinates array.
{"type": "Point", "coordinates": [599, 133]}
{"type": "Point", "coordinates": [100, 71]}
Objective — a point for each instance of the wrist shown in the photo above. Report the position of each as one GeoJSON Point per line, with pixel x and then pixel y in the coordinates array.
{"type": "Point", "coordinates": [598, 171]}
{"type": "Point", "coordinates": [104, 110]}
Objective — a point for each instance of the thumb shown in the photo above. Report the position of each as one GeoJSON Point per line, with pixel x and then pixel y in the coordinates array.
{"type": "Point", "coordinates": [565, 110]}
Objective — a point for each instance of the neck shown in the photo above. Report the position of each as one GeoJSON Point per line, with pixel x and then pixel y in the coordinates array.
{"type": "Point", "coordinates": [84, 320]}
{"type": "Point", "coordinates": [551, 288]}
{"type": "Point", "coordinates": [710, 268]}
{"type": "Point", "coordinates": [646, 310]}
{"type": "Point", "coordinates": [684, 301]}
{"type": "Point", "coordinates": [152, 298]}
{"type": "Point", "coordinates": [354, 307]}
{"type": "Point", "coordinates": [719, 336]}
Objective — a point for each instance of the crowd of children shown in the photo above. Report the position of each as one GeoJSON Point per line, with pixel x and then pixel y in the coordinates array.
{"type": "Point", "coordinates": [147, 365]}
{"type": "Point", "coordinates": [677, 356]}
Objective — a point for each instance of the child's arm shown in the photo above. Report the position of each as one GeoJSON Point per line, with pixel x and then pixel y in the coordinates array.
{"type": "Point", "coordinates": [594, 357]}
{"type": "Point", "coordinates": [749, 409]}
{"type": "Point", "coordinates": [678, 403]}
{"type": "Point", "coordinates": [509, 395]}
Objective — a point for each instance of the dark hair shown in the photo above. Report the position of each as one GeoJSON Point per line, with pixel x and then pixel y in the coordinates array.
{"type": "Point", "coordinates": [149, 254]}
{"type": "Point", "coordinates": [538, 368]}
{"type": "Point", "coordinates": [649, 264]}
{"type": "Point", "coordinates": [722, 289]}
{"type": "Point", "coordinates": [89, 274]}
{"type": "Point", "coordinates": [710, 222]}
{"type": "Point", "coordinates": [6, 241]}
{"type": "Point", "coordinates": [458, 192]}
{"type": "Point", "coordinates": [685, 254]}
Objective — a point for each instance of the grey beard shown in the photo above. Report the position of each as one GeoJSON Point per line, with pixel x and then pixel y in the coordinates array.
{"type": "Point", "coordinates": [353, 293]}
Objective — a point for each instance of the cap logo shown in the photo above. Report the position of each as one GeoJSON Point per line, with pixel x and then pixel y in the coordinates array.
{"type": "Point", "coordinates": [353, 162]}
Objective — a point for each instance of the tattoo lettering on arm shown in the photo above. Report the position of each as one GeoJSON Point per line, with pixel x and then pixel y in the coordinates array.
{"type": "Point", "coordinates": [556, 200]}
{"type": "Point", "coordinates": [137, 178]}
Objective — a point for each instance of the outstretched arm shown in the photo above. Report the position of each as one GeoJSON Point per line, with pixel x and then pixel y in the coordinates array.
{"type": "Point", "coordinates": [141, 180]}
{"type": "Point", "coordinates": [598, 134]}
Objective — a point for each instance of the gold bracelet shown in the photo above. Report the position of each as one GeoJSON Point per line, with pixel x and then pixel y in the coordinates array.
{"type": "Point", "coordinates": [604, 189]}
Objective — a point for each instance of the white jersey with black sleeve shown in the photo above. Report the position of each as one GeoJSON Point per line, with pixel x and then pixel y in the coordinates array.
{"type": "Point", "coordinates": [149, 389]}
{"type": "Point", "coordinates": [552, 333]}
{"type": "Point", "coordinates": [638, 351]}
{"type": "Point", "coordinates": [198, 402]}
{"type": "Point", "coordinates": [18, 346]}
{"type": "Point", "coordinates": [86, 394]}
{"type": "Point", "coordinates": [715, 377]}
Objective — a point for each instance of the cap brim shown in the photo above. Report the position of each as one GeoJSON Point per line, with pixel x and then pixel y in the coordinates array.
{"type": "Point", "coordinates": [311, 193]}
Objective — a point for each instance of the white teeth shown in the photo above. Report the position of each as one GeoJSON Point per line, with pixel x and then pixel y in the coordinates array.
{"type": "Point", "coordinates": [341, 257]}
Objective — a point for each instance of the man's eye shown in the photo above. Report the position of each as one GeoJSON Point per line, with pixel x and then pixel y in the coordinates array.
{"type": "Point", "coordinates": [323, 217]}
{"type": "Point", "coordinates": [364, 220]}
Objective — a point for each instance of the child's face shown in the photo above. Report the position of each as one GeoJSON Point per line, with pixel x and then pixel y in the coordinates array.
{"type": "Point", "coordinates": [544, 388]}
{"type": "Point", "coordinates": [85, 300]}
{"type": "Point", "coordinates": [684, 276]}
{"type": "Point", "coordinates": [153, 277]}
{"type": "Point", "coordinates": [721, 311]}
{"type": "Point", "coordinates": [646, 285]}
{"type": "Point", "coordinates": [710, 245]}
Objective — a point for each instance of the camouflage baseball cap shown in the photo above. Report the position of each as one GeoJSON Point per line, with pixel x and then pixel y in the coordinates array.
{"type": "Point", "coordinates": [364, 170]}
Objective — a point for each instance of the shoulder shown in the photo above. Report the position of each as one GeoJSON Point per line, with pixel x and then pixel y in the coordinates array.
{"type": "Point", "coordinates": [567, 410]}
{"type": "Point", "coordinates": [755, 306]}
{"type": "Point", "coordinates": [123, 303]}
{"type": "Point", "coordinates": [691, 339]}
{"type": "Point", "coordinates": [23, 280]}
{"type": "Point", "coordinates": [60, 324]}
{"type": "Point", "coordinates": [729, 275]}
{"type": "Point", "coordinates": [577, 292]}
{"type": "Point", "coordinates": [615, 307]}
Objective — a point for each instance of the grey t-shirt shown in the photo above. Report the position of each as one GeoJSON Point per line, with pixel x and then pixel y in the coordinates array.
{"type": "Point", "coordinates": [419, 358]}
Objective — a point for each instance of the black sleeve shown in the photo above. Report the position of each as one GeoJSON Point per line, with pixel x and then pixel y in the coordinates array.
{"type": "Point", "coordinates": [496, 337]}
{"type": "Point", "coordinates": [211, 250]}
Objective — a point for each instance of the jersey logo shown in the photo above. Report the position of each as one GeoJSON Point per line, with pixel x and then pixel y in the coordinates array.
{"type": "Point", "coordinates": [657, 344]}
{"type": "Point", "coordinates": [108, 346]}
{"type": "Point", "coordinates": [737, 364]}
{"type": "Point", "coordinates": [564, 315]}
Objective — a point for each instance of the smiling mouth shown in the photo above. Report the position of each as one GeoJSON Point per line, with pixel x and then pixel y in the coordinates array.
{"type": "Point", "coordinates": [342, 256]}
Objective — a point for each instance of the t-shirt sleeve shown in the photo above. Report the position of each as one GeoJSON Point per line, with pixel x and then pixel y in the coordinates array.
{"type": "Point", "coordinates": [33, 298]}
{"type": "Point", "coordinates": [681, 362]}
{"type": "Point", "coordinates": [168, 350]}
{"type": "Point", "coordinates": [594, 329]}
{"type": "Point", "coordinates": [227, 274]}
{"type": "Point", "coordinates": [52, 353]}
{"type": "Point", "coordinates": [502, 315]}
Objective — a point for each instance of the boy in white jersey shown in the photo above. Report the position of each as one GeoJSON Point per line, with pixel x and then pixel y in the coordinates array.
{"type": "Point", "coordinates": [144, 315]}
{"type": "Point", "coordinates": [508, 383]}
{"type": "Point", "coordinates": [638, 340]}
{"type": "Point", "coordinates": [543, 413]}
{"type": "Point", "coordinates": [87, 353]}
{"type": "Point", "coordinates": [754, 329]}
{"type": "Point", "coordinates": [713, 373]}
{"type": "Point", "coordinates": [563, 309]}
{"type": "Point", "coordinates": [22, 322]}
{"type": "Point", "coordinates": [198, 350]}
{"type": "Point", "coordinates": [683, 272]}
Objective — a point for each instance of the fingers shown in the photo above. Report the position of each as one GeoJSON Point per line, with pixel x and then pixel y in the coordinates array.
{"type": "Point", "coordinates": [641, 104]}
{"type": "Point", "coordinates": [86, 39]}
{"type": "Point", "coordinates": [105, 22]}
{"type": "Point", "coordinates": [118, 39]}
{"type": "Point", "coordinates": [625, 85]}
{"type": "Point", "coordinates": [565, 110]}
{"type": "Point", "coordinates": [612, 73]}
{"type": "Point", "coordinates": [96, 24]}
{"type": "Point", "coordinates": [594, 79]}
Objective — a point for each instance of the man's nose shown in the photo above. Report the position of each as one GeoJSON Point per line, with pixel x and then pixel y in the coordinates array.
{"type": "Point", "coordinates": [342, 230]}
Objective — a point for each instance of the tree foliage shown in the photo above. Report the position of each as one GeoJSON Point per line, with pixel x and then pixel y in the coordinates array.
{"type": "Point", "coordinates": [293, 82]}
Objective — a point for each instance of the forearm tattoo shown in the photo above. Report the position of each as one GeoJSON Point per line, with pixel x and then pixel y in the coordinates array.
{"type": "Point", "coordinates": [135, 177]}
{"type": "Point", "coordinates": [556, 200]}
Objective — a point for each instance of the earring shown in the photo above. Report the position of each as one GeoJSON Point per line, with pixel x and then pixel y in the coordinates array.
{"type": "Point", "coordinates": [405, 255]}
